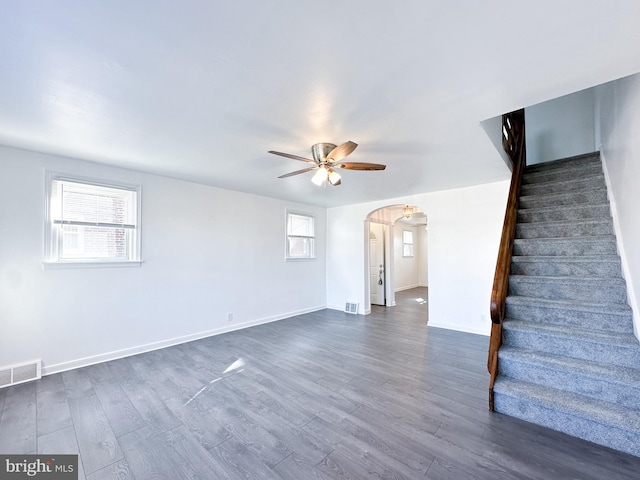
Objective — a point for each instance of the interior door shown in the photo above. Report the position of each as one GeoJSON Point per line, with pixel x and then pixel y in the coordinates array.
{"type": "Point", "coordinates": [376, 263]}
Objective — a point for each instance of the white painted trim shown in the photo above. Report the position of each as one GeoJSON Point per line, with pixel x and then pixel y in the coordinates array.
{"type": "Point", "coordinates": [127, 352]}
{"type": "Point", "coordinates": [631, 298]}
{"type": "Point", "coordinates": [361, 309]}
{"type": "Point", "coordinates": [465, 329]}
{"type": "Point", "coordinates": [366, 306]}
{"type": "Point", "coordinates": [105, 264]}
{"type": "Point", "coordinates": [400, 289]}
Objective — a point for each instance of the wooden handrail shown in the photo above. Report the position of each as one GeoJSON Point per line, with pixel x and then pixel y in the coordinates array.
{"type": "Point", "coordinates": [513, 142]}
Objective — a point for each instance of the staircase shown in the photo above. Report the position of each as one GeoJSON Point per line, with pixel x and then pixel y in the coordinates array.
{"type": "Point", "coordinates": [569, 359]}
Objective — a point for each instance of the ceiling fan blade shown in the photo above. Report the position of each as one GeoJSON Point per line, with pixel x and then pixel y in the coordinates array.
{"type": "Point", "coordinates": [297, 172]}
{"type": "Point", "coordinates": [295, 157]}
{"type": "Point", "coordinates": [360, 166]}
{"type": "Point", "coordinates": [341, 151]}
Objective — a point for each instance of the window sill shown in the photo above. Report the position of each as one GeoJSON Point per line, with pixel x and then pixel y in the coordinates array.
{"type": "Point", "coordinates": [64, 265]}
{"type": "Point", "coordinates": [299, 259]}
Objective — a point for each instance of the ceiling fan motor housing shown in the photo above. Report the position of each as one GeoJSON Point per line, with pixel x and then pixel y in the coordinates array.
{"type": "Point", "coordinates": [321, 150]}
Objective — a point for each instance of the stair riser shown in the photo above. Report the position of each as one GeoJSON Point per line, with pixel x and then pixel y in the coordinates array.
{"type": "Point", "coordinates": [533, 230]}
{"type": "Point", "coordinates": [572, 318]}
{"type": "Point", "coordinates": [567, 269]}
{"type": "Point", "coordinates": [590, 183]}
{"type": "Point", "coordinates": [623, 440]}
{"type": "Point", "coordinates": [565, 214]}
{"type": "Point", "coordinates": [546, 247]}
{"type": "Point", "coordinates": [558, 175]}
{"type": "Point", "coordinates": [577, 198]}
{"type": "Point", "coordinates": [604, 353]}
{"type": "Point", "coordinates": [571, 381]}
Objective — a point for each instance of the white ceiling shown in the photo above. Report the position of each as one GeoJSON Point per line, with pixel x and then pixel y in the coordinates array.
{"type": "Point", "coordinates": [200, 90]}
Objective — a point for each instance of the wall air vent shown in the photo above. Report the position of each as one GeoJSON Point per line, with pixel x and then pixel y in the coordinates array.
{"type": "Point", "coordinates": [20, 373]}
{"type": "Point", "coordinates": [351, 307]}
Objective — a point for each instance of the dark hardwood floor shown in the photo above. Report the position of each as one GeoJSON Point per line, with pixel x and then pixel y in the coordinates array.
{"type": "Point", "coordinates": [324, 395]}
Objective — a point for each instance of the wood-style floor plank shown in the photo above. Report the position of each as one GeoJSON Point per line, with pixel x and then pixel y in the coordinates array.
{"type": "Point", "coordinates": [119, 470]}
{"type": "Point", "coordinates": [18, 430]}
{"type": "Point", "coordinates": [325, 395]}
{"type": "Point", "coordinates": [96, 440]}
{"type": "Point", "coordinates": [62, 441]}
{"type": "Point", "coordinates": [52, 405]}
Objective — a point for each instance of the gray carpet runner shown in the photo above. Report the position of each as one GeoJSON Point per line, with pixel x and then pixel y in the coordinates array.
{"type": "Point", "coordinates": [569, 359]}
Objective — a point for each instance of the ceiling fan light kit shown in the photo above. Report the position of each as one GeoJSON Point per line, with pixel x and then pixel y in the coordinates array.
{"type": "Point", "coordinates": [320, 176]}
{"type": "Point", "coordinates": [334, 178]}
{"type": "Point", "coordinates": [326, 158]}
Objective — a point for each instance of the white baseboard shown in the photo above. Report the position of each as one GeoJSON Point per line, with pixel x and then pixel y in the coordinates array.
{"type": "Point", "coordinates": [623, 256]}
{"type": "Point", "coordinates": [400, 289]}
{"type": "Point", "coordinates": [341, 309]}
{"type": "Point", "coordinates": [127, 352]}
{"type": "Point", "coordinates": [484, 331]}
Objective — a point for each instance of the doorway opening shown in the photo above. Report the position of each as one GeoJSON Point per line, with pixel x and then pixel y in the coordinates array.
{"type": "Point", "coordinates": [396, 259]}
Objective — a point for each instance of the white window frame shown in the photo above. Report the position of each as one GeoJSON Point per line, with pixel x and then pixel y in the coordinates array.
{"type": "Point", "coordinates": [52, 232]}
{"type": "Point", "coordinates": [312, 254]}
{"type": "Point", "coordinates": [407, 243]}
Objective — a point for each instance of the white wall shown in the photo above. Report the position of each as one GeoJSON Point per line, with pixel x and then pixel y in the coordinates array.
{"type": "Point", "coordinates": [423, 257]}
{"type": "Point", "coordinates": [464, 234]}
{"type": "Point", "coordinates": [618, 119]}
{"type": "Point", "coordinates": [207, 252]}
{"type": "Point", "coordinates": [560, 128]}
{"type": "Point", "coordinates": [405, 269]}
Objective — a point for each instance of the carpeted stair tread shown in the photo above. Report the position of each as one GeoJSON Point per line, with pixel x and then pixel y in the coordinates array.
{"type": "Point", "coordinates": [567, 265]}
{"type": "Point", "coordinates": [566, 258]}
{"type": "Point", "coordinates": [609, 383]}
{"type": "Point", "coordinates": [578, 197]}
{"type": "Point", "coordinates": [586, 343]}
{"type": "Point", "coordinates": [581, 182]}
{"type": "Point", "coordinates": [590, 245]}
{"type": "Point", "coordinates": [591, 307]}
{"type": "Point", "coordinates": [600, 289]}
{"type": "Point", "coordinates": [598, 421]}
{"type": "Point", "coordinates": [565, 228]}
{"type": "Point", "coordinates": [609, 317]}
{"type": "Point", "coordinates": [583, 334]}
{"type": "Point", "coordinates": [576, 160]}
{"type": "Point", "coordinates": [546, 175]}
{"type": "Point", "coordinates": [563, 212]}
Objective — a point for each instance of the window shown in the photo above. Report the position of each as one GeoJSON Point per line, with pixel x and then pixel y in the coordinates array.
{"type": "Point", "coordinates": [407, 243]}
{"type": "Point", "coordinates": [91, 222]}
{"type": "Point", "coordinates": [300, 236]}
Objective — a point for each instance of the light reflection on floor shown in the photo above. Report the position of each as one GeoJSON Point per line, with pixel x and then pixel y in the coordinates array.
{"type": "Point", "coordinates": [235, 367]}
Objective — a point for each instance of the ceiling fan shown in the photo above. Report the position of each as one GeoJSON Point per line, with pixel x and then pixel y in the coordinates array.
{"type": "Point", "coordinates": [326, 158]}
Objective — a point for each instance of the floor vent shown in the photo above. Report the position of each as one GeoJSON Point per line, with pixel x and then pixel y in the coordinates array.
{"type": "Point", "coordinates": [351, 307]}
{"type": "Point", "coordinates": [20, 373]}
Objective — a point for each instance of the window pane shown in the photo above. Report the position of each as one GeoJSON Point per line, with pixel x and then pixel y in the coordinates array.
{"type": "Point", "coordinates": [94, 242]}
{"type": "Point", "coordinates": [300, 247]}
{"type": "Point", "coordinates": [90, 203]}
{"type": "Point", "coordinates": [300, 225]}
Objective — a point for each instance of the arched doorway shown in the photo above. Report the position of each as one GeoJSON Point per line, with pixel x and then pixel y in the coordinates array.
{"type": "Point", "coordinates": [396, 254]}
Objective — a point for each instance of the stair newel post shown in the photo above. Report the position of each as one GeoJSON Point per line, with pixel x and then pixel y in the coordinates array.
{"type": "Point", "coordinates": [513, 142]}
